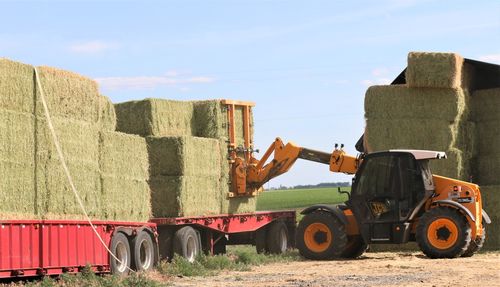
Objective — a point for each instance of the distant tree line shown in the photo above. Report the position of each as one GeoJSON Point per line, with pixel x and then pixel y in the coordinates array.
{"type": "Point", "coordinates": [319, 185]}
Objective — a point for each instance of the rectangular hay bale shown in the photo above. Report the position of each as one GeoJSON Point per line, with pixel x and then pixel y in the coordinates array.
{"type": "Point", "coordinates": [485, 105]}
{"type": "Point", "coordinates": [79, 143]}
{"type": "Point", "coordinates": [155, 117]}
{"type": "Point", "coordinates": [125, 199]}
{"type": "Point", "coordinates": [17, 86]}
{"type": "Point", "coordinates": [185, 195]}
{"type": "Point", "coordinates": [184, 155]}
{"type": "Point", "coordinates": [17, 163]}
{"type": "Point", "coordinates": [398, 101]}
{"type": "Point", "coordinates": [438, 70]}
{"type": "Point", "coordinates": [123, 155]}
{"type": "Point", "coordinates": [491, 204]}
{"type": "Point", "coordinates": [68, 95]}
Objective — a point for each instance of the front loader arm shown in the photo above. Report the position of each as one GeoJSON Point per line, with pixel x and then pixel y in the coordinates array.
{"type": "Point", "coordinates": [261, 171]}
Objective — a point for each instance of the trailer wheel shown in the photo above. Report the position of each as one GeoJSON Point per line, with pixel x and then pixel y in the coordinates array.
{"type": "Point", "coordinates": [475, 245]}
{"type": "Point", "coordinates": [277, 238]}
{"type": "Point", "coordinates": [260, 240]}
{"type": "Point", "coordinates": [121, 249]}
{"type": "Point", "coordinates": [320, 236]}
{"type": "Point", "coordinates": [354, 248]}
{"type": "Point", "coordinates": [443, 232]}
{"type": "Point", "coordinates": [187, 243]}
{"type": "Point", "coordinates": [143, 255]}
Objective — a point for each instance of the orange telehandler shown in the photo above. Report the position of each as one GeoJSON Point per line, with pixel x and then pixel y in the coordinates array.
{"type": "Point", "coordinates": [394, 199]}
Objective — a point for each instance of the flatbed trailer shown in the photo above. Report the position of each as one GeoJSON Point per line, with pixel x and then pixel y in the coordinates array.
{"type": "Point", "coordinates": [53, 247]}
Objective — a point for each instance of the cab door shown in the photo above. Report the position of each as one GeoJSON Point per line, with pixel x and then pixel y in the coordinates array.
{"type": "Point", "coordinates": [384, 193]}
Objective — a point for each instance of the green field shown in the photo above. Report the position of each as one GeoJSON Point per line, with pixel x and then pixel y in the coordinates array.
{"type": "Point", "coordinates": [299, 198]}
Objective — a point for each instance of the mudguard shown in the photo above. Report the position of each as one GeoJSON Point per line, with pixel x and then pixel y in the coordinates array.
{"type": "Point", "coordinates": [333, 209]}
{"type": "Point", "coordinates": [457, 205]}
{"type": "Point", "coordinates": [486, 217]}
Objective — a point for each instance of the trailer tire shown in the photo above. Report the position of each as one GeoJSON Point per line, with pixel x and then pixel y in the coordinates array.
{"type": "Point", "coordinates": [443, 232]}
{"type": "Point", "coordinates": [187, 243]}
{"type": "Point", "coordinates": [277, 238]}
{"type": "Point", "coordinates": [475, 245]}
{"type": "Point", "coordinates": [121, 249]}
{"type": "Point", "coordinates": [260, 240]}
{"type": "Point", "coordinates": [143, 254]}
{"type": "Point", "coordinates": [320, 236]}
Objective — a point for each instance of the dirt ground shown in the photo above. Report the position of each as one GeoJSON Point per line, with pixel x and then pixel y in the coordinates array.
{"type": "Point", "coordinates": [372, 269]}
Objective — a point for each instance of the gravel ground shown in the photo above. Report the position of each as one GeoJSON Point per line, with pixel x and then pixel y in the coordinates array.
{"type": "Point", "coordinates": [372, 269]}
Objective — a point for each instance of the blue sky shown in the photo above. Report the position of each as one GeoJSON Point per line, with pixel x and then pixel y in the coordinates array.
{"type": "Point", "coordinates": [306, 64]}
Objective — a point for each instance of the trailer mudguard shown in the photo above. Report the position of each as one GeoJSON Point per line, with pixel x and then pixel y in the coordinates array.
{"type": "Point", "coordinates": [457, 205]}
{"type": "Point", "coordinates": [333, 209]}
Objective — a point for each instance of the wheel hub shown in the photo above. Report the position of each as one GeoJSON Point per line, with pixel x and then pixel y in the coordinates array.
{"type": "Point", "coordinates": [320, 237]}
{"type": "Point", "coordinates": [443, 233]}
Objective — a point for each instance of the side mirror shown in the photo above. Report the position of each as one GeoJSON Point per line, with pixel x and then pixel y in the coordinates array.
{"type": "Point", "coordinates": [344, 191]}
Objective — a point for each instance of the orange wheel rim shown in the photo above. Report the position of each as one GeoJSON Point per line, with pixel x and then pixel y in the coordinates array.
{"type": "Point", "coordinates": [317, 237]}
{"type": "Point", "coordinates": [442, 233]}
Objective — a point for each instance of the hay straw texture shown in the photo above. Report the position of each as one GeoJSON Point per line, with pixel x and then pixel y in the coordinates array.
{"type": "Point", "coordinates": [398, 117]}
{"type": "Point", "coordinates": [69, 95]}
{"type": "Point", "coordinates": [17, 167]}
{"type": "Point", "coordinates": [210, 119]}
{"type": "Point", "coordinates": [185, 176]}
{"type": "Point", "coordinates": [485, 105]}
{"type": "Point", "coordinates": [177, 156]}
{"type": "Point", "coordinates": [491, 202]}
{"type": "Point", "coordinates": [107, 115]}
{"type": "Point", "coordinates": [16, 86]}
{"type": "Point", "coordinates": [437, 70]}
{"type": "Point", "coordinates": [399, 101]}
{"type": "Point", "coordinates": [155, 117]}
{"type": "Point", "coordinates": [79, 142]}
{"type": "Point", "coordinates": [123, 161]}
{"type": "Point", "coordinates": [185, 195]}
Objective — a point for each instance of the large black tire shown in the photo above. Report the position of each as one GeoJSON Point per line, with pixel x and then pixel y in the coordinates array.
{"type": "Point", "coordinates": [277, 238]}
{"type": "Point", "coordinates": [187, 243]}
{"type": "Point", "coordinates": [475, 245]}
{"type": "Point", "coordinates": [121, 249]}
{"type": "Point", "coordinates": [354, 248]}
{"type": "Point", "coordinates": [321, 236]}
{"type": "Point", "coordinates": [143, 252]}
{"type": "Point", "coordinates": [260, 240]}
{"type": "Point", "coordinates": [443, 232]}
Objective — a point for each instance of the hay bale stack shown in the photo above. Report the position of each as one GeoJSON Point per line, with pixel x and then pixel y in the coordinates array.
{"type": "Point", "coordinates": [422, 118]}
{"type": "Point", "coordinates": [437, 70]}
{"type": "Point", "coordinates": [155, 117]}
{"type": "Point", "coordinates": [485, 110]}
{"type": "Point", "coordinates": [80, 145]}
{"type": "Point", "coordinates": [17, 168]}
{"type": "Point", "coordinates": [491, 202]}
{"type": "Point", "coordinates": [185, 176]}
{"type": "Point", "coordinates": [123, 162]}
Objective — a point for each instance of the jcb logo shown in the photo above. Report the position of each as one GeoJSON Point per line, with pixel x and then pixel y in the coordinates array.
{"type": "Point", "coordinates": [378, 208]}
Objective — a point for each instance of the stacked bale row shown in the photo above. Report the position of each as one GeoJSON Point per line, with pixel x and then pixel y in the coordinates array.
{"type": "Point", "coordinates": [188, 152]}
{"type": "Point", "coordinates": [487, 116]}
{"type": "Point", "coordinates": [430, 112]}
{"type": "Point", "coordinates": [437, 110]}
{"type": "Point", "coordinates": [33, 182]}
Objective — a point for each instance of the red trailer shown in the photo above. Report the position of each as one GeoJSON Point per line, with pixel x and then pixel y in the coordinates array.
{"type": "Point", "coordinates": [52, 247]}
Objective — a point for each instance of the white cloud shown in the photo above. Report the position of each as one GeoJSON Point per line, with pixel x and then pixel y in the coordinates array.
{"type": "Point", "coordinates": [492, 58]}
{"type": "Point", "coordinates": [92, 47]}
{"type": "Point", "coordinates": [170, 79]}
{"type": "Point", "coordinates": [378, 81]}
